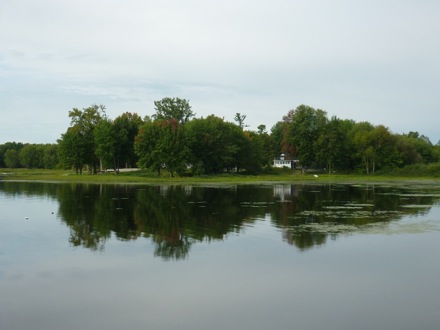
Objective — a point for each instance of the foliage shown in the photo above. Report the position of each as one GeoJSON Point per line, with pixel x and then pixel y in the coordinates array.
{"type": "Point", "coordinates": [160, 144]}
{"type": "Point", "coordinates": [31, 156]}
{"type": "Point", "coordinates": [72, 149]}
{"type": "Point", "coordinates": [305, 125]}
{"type": "Point", "coordinates": [215, 145]}
{"type": "Point", "coordinates": [334, 148]}
{"type": "Point", "coordinates": [129, 124]}
{"type": "Point", "coordinates": [177, 143]}
{"type": "Point", "coordinates": [106, 139]}
{"type": "Point", "coordinates": [239, 118]}
{"type": "Point", "coordinates": [173, 108]}
{"type": "Point", "coordinates": [8, 146]}
{"type": "Point", "coordinates": [12, 158]}
{"type": "Point", "coordinates": [84, 122]}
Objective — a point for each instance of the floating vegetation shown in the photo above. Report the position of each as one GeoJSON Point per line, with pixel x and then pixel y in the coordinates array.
{"type": "Point", "coordinates": [343, 207]}
{"type": "Point", "coordinates": [199, 202]}
{"type": "Point", "coordinates": [419, 195]}
{"type": "Point", "coordinates": [360, 205]}
{"type": "Point", "coordinates": [256, 204]}
{"type": "Point", "coordinates": [343, 213]}
{"type": "Point", "coordinates": [326, 228]}
{"type": "Point", "coordinates": [383, 228]}
{"type": "Point", "coordinates": [416, 206]}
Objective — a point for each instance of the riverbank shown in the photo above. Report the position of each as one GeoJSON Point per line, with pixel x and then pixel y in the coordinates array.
{"type": "Point", "coordinates": [147, 177]}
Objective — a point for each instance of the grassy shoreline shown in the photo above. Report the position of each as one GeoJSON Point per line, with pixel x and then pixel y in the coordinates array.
{"type": "Point", "coordinates": [145, 177]}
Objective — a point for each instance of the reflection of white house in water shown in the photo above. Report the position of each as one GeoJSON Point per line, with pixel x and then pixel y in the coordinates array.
{"type": "Point", "coordinates": [285, 161]}
{"type": "Point", "coordinates": [284, 192]}
{"type": "Point", "coordinates": [163, 189]}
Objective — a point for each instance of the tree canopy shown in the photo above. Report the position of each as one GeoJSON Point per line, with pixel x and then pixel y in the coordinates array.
{"type": "Point", "coordinates": [173, 139]}
{"type": "Point", "coordinates": [173, 108]}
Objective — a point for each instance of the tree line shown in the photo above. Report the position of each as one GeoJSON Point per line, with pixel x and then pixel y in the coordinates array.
{"type": "Point", "coordinates": [175, 140]}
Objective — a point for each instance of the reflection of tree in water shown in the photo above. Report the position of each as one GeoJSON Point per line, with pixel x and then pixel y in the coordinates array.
{"type": "Point", "coordinates": [175, 248]}
{"type": "Point", "coordinates": [80, 210]}
{"type": "Point", "coordinates": [174, 217]}
{"type": "Point", "coordinates": [177, 217]}
{"type": "Point", "coordinates": [317, 212]}
{"type": "Point", "coordinates": [94, 212]}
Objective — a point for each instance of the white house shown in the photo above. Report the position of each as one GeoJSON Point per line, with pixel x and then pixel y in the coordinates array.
{"type": "Point", "coordinates": [285, 161]}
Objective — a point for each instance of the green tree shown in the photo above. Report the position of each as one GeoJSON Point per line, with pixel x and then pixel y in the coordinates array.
{"type": "Point", "coordinates": [280, 136]}
{"type": "Point", "coordinates": [50, 156]}
{"type": "Point", "coordinates": [334, 147]}
{"type": "Point", "coordinates": [145, 146]}
{"type": "Point", "coordinates": [128, 123]}
{"type": "Point", "coordinates": [261, 129]}
{"type": "Point", "coordinates": [268, 146]}
{"type": "Point", "coordinates": [239, 118]}
{"type": "Point", "coordinates": [384, 149]}
{"type": "Point", "coordinates": [361, 138]}
{"type": "Point", "coordinates": [85, 121]}
{"type": "Point", "coordinates": [161, 144]}
{"type": "Point", "coordinates": [105, 139]}
{"type": "Point", "coordinates": [173, 108]}
{"type": "Point", "coordinates": [12, 158]}
{"type": "Point", "coordinates": [174, 146]}
{"type": "Point", "coordinates": [251, 153]}
{"type": "Point", "coordinates": [215, 145]}
{"type": "Point", "coordinates": [72, 149]}
{"type": "Point", "coordinates": [407, 151]}
{"type": "Point", "coordinates": [31, 156]}
{"type": "Point", "coordinates": [305, 125]}
{"type": "Point", "coordinates": [8, 146]}
{"type": "Point", "coordinates": [423, 146]}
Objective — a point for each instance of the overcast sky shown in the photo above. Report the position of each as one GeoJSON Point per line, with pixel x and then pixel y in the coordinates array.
{"type": "Point", "coordinates": [376, 61]}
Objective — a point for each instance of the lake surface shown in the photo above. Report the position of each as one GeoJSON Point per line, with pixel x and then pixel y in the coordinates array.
{"type": "Point", "coordinates": [219, 257]}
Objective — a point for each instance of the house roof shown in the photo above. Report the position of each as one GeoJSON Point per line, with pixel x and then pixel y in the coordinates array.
{"type": "Point", "coordinates": [285, 157]}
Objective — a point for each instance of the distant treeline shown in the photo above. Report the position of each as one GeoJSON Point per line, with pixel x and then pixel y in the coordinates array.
{"type": "Point", "coordinates": [175, 140]}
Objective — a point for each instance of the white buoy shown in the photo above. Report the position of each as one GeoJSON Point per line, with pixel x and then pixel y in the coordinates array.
{"type": "Point", "coordinates": [315, 175]}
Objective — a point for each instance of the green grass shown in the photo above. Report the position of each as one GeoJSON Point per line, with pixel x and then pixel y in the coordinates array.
{"type": "Point", "coordinates": [147, 177]}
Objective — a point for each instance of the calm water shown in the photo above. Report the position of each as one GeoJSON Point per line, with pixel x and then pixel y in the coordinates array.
{"type": "Point", "coordinates": [227, 257]}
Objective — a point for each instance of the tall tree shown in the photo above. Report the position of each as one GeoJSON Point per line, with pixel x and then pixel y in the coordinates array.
{"type": "Point", "coordinates": [385, 153]}
{"type": "Point", "coordinates": [305, 125]}
{"type": "Point", "coordinates": [106, 140]}
{"type": "Point", "coordinates": [268, 145]}
{"type": "Point", "coordinates": [239, 118]}
{"type": "Point", "coordinates": [85, 121]}
{"type": "Point", "coordinates": [215, 145]}
{"type": "Point", "coordinates": [146, 147]}
{"type": "Point", "coordinates": [173, 108]}
{"type": "Point", "coordinates": [333, 145]}
{"type": "Point", "coordinates": [280, 135]}
{"type": "Point", "coordinates": [129, 123]}
{"type": "Point", "coordinates": [160, 144]}
{"type": "Point", "coordinates": [72, 149]}
{"type": "Point", "coordinates": [361, 138]}
{"type": "Point", "coordinates": [261, 129]}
